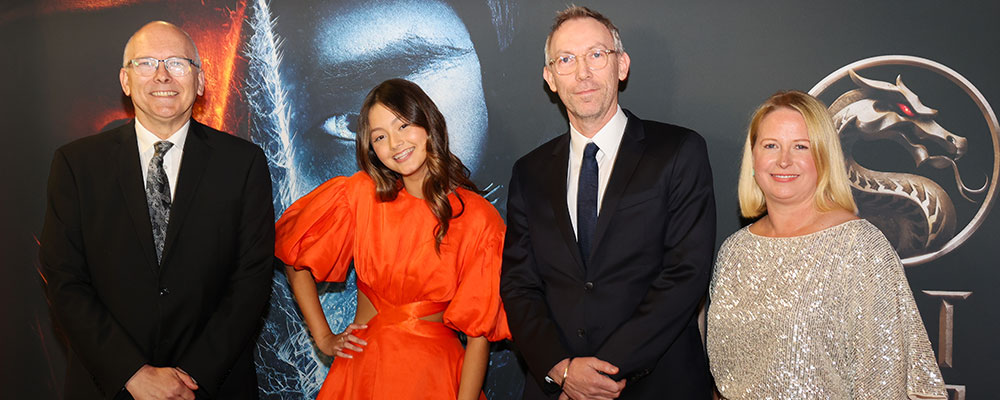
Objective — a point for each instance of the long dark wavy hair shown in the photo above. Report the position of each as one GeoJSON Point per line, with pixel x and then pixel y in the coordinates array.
{"type": "Point", "coordinates": [445, 172]}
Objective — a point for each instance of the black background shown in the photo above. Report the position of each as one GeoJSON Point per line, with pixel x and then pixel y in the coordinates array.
{"type": "Point", "coordinates": [700, 64]}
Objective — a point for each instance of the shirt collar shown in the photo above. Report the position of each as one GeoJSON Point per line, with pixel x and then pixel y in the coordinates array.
{"type": "Point", "coordinates": [146, 139]}
{"type": "Point", "coordinates": [607, 139]}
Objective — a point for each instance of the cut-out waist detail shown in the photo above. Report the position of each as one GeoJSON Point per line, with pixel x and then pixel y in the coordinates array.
{"type": "Point", "coordinates": [389, 313]}
{"type": "Point", "coordinates": [417, 310]}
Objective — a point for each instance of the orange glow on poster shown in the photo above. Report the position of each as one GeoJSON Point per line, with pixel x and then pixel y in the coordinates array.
{"type": "Point", "coordinates": [215, 26]}
{"type": "Point", "coordinates": [218, 43]}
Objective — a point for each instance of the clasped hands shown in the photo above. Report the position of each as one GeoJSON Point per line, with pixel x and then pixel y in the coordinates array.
{"type": "Point", "coordinates": [334, 345]}
{"type": "Point", "coordinates": [151, 382]}
{"type": "Point", "coordinates": [587, 378]}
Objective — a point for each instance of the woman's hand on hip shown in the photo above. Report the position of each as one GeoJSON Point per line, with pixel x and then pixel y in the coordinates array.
{"type": "Point", "coordinates": [337, 345]}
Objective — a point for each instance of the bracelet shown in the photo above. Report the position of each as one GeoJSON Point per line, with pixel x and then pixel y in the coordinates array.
{"type": "Point", "coordinates": [565, 373]}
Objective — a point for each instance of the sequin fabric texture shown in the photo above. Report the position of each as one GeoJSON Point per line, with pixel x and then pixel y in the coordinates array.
{"type": "Point", "coordinates": [828, 315]}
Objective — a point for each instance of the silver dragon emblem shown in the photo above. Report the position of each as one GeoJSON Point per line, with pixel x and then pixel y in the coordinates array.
{"type": "Point", "coordinates": [915, 212]}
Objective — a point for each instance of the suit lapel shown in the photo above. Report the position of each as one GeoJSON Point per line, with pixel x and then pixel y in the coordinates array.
{"type": "Point", "coordinates": [132, 185]}
{"type": "Point", "coordinates": [629, 153]}
{"type": "Point", "coordinates": [193, 163]}
{"type": "Point", "coordinates": [556, 180]}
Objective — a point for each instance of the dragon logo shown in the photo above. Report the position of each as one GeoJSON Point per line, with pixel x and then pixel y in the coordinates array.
{"type": "Point", "coordinates": [909, 203]}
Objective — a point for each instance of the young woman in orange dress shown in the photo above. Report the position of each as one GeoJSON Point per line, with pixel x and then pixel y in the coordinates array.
{"type": "Point", "coordinates": [427, 251]}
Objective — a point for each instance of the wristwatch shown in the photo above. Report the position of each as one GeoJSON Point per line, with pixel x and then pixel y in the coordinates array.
{"type": "Point", "coordinates": [550, 386]}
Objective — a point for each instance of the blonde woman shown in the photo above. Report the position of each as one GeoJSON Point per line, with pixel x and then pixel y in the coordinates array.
{"type": "Point", "coordinates": [809, 301]}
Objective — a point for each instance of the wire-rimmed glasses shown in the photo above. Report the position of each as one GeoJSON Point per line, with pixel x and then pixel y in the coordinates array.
{"type": "Point", "coordinates": [176, 66]}
{"type": "Point", "coordinates": [596, 59]}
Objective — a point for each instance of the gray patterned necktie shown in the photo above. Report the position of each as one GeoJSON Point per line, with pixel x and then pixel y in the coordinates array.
{"type": "Point", "coordinates": [158, 196]}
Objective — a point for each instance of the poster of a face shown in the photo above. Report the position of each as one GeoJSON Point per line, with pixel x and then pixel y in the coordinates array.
{"type": "Point", "coordinates": [309, 69]}
{"type": "Point", "coordinates": [290, 76]}
{"type": "Point", "coordinates": [331, 55]}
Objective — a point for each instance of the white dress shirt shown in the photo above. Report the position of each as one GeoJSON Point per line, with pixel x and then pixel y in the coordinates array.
{"type": "Point", "coordinates": [171, 160]}
{"type": "Point", "coordinates": [607, 140]}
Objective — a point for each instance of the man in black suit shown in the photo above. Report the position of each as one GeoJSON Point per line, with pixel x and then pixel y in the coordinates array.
{"type": "Point", "coordinates": [158, 242]}
{"type": "Point", "coordinates": [611, 229]}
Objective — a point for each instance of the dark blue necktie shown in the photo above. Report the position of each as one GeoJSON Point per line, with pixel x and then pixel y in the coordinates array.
{"type": "Point", "coordinates": [158, 196]}
{"type": "Point", "coordinates": [586, 201]}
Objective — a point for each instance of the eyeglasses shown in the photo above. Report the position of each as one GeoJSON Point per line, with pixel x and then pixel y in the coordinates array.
{"type": "Point", "coordinates": [595, 59]}
{"type": "Point", "coordinates": [176, 66]}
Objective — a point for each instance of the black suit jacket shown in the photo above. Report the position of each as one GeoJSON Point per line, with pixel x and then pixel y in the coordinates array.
{"type": "Point", "coordinates": [634, 303]}
{"type": "Point", "coordinates": [200, 309]}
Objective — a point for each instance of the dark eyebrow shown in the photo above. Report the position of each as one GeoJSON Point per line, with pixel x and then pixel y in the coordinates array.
{"type": "Point", "coordinates": [406, 56]}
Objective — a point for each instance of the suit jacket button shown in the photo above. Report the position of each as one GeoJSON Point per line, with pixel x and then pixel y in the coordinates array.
{"type": "Point", "coordinates": [164, 291]}
{"type": "Point", "coordinates": [588, 286]}
{"type": "Point", "coordinates": [580, 332]}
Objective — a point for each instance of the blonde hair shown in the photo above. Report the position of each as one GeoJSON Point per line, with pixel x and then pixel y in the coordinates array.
{"type": "Point", "coordinates": [833, 190]}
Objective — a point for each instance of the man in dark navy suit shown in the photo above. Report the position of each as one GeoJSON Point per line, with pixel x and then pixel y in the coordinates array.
{"type": "Point", "coordinates": [611, 229]}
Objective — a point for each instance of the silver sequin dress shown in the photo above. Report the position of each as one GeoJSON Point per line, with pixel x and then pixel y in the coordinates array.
{"type": "Point", "coordinates": [828, 315]}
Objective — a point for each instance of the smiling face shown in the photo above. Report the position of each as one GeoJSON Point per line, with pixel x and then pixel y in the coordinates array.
{"type": "Point", "coordinates": [783, 163]}
{"type": "Point", "coordinates": [399, 145]}
{"type": "Point", "coordinates": [590, 96]}
{"type": "Point", "coordinates": [345, 48]}
{"type": "Point", "coordinates": [163, 102]}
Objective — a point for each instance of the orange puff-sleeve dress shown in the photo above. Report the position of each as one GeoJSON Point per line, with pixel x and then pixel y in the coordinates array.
{"type": "Point", "coordinates": [392, 246]}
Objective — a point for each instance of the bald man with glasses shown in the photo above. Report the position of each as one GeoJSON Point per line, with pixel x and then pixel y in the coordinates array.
{"type": "Point", "coordinates": [158, 241]}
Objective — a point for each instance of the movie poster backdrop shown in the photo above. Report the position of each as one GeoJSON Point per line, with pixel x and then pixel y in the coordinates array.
{"type": "Point", "coordinates": [909, 87]}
